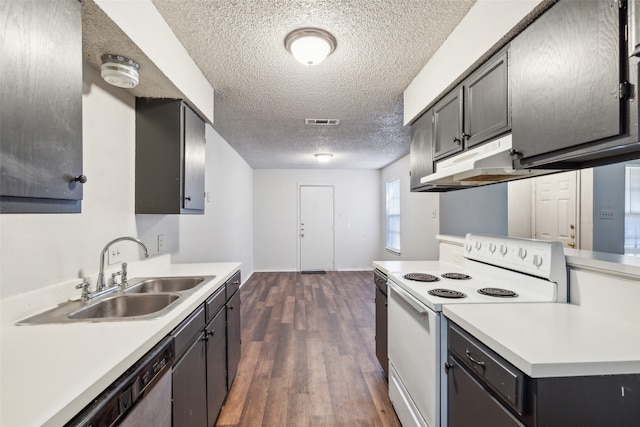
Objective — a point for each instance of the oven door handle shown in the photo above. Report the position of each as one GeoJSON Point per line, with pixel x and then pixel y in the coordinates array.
{"type": "Point", "coordinates": [408, 298]}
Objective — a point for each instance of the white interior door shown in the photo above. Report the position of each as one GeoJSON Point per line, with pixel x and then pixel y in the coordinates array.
{"type": "Point", "coordinates": [555, 208]}
{"type": "Point", "coordinates": [316, 228]}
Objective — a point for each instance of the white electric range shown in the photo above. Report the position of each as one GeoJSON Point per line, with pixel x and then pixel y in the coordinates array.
{"type": "Point", "coordinates": [497, 270]}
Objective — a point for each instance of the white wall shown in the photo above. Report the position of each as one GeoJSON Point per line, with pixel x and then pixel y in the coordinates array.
{"type": "Point", "coordinates": [37, 250]}
{"type": "Point", "coordinates": [43, 249]}
{"type": "Point", "coordinates": [275, 215]}
{"type": "Point", "coordinates": [225, 231]}
{"type": "Point", "coordinates": [419, 214]}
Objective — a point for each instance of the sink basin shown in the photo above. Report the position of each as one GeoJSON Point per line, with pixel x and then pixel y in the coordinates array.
{"type": "Point", "coordinates": [165, 284]}
{"type": "Point", "coordinates": [125, 306]}
{"type": "Point", "coordinates": [145, 298]}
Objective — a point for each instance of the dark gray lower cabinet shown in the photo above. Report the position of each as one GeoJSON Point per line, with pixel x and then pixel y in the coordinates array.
{"type": "Point", "coordinates": [189, 388]}
{"type": "Point", "coordinates": [233, 337]}
{"type": "Point", "coordinates": [381, 321]}
{"type": "Point", "coordinates": [216, 366]}
{"type": "Point", "coordinates": [208, 353]}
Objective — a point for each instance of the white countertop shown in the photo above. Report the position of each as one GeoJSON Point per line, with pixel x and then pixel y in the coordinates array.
{"type": "Point", "coordinates": [606, 263]}
{"type": "Point", "coordinates": [553, 340]}
{"type": "Point", "coordinates": [390, 266]}
{"type": "Point", "coordinates": [50, 372]}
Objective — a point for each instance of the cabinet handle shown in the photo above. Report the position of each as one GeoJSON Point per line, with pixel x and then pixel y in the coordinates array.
{"type": "Point", "coordinates": [476, 361]}
{"type": "Point", "coordinates": [447, 366]}
{"type": "Point", "coordinates": [515, 153]}
{"type": "Point", "coordinates": [465, 135]}
{"type": "Point", "coordinates": [188, 198]}
{"type": "Point", "coordinates": [456, 140]}
{"type": "Point", "coordinates": [81, 179]}
{"type": "Point", "coordinates": [230, 307]}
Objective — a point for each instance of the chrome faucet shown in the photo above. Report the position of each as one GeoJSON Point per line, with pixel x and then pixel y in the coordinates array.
{"type": "Point", "coordinates": [101, 285]}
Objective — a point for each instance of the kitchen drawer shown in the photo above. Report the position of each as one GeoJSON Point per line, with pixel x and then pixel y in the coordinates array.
{"type": "Point", "coordinates": [188, 329]}
{"type": "Point", "coordinates": [215, 302]}
{"type": "Point", "coordinates": [233, 285]}
{"type": "Point", "coordinates": [506, 380]}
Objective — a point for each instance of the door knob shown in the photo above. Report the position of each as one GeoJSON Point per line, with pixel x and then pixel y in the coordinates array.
{"type": "Point", "coordinates": [572, 226]}
{"type": "Point", "coordinates": [571, 244]}
{"type": "Point", "coordinates": [572, 235]}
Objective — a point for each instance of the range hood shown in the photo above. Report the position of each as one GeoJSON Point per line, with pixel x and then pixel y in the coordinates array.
{"type": "Point", "coordinates": [489, 163]}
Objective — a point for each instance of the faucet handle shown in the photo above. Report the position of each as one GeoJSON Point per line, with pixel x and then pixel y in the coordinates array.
{"type": "Point", "coordinates": [123, 282]}
{"type": "Point", "coordinates": [85, 289]}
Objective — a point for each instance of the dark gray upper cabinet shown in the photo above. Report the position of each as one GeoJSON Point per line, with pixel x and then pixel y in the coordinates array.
{"type": "Point", "coordinates": [447, 124]}
{"type": "Point", "coordinates": [566, 74]}
{"type": "Point", "coordinates": [475, 112]}
{"type": "Point", "coordinates": [41, 106]}
{"type": "Point", "coordinates": [170, 158]}
{"type": "Point", "coordinates": [421, 153]}
{"type": "Point", "coordinates": [487, 103]}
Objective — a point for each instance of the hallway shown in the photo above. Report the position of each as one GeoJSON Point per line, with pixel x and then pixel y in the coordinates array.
{"type": "Point", "coordinates": [308, 354]}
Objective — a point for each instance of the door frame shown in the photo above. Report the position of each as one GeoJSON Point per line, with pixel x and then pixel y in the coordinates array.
{"type": "Point", "coordinates": [299, 220]}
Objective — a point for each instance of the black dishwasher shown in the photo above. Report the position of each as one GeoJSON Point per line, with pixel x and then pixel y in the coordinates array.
{"type": "Point", "coordinates": [127, 395]}
{"type": "Point", "coordinates": [380, 280]}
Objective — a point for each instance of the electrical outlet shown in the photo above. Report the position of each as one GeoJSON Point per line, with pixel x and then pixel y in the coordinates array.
{"type": "Point", "coordinates": [607, 214]}
{"type": "Point", "coordinates": [160, 242]}
{"type": "Point", "coordinates": [114, 255]}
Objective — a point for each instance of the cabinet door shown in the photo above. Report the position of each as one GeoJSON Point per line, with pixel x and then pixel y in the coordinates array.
{"type": "Point", "coordinates": [381, 330]}
{"type": "Point", "coordinates": [233, 337]}
{"type": "Point", "coordinates": [216, 366]}
{"type": "Point", "coordinates": [190, 387]}
{"type": "Point", "coordinates": [421, 150]}
{"type": "Point", "coordinates": [487, 107]}
{"type": "Point", "coordinates": [194, 149]}
{"type": "Point", "coordinates": [447, 125]}
{"type": "Point", "coordinates": [41, 106]}
{"type": "Point", "coordinates": [565, 76]}
{"type": "Point", "coordinates": [470, 404]}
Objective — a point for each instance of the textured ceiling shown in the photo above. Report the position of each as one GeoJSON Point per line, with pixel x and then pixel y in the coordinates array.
{"type": "Point", "coordinates": [262, 95]}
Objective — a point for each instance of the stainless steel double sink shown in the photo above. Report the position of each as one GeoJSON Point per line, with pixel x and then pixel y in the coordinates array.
{"type": "Point", "coordinates": [143, 299]}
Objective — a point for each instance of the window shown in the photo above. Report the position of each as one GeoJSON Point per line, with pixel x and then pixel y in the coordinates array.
{"type": "Point", "coordinates": [393, 216]}
{"type": "Point", "coordinates": [632, 210]}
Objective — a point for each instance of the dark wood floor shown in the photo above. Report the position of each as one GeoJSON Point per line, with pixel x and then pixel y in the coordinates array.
{"type": "Point", "coordinates": [308, 354]}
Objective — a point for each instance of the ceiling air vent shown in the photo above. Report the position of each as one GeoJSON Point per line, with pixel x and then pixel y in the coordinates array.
{"type": "Point", "coordinates": [322, 122]}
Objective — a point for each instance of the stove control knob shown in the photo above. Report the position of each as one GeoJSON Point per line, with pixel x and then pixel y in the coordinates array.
{"type": "Point", "coordinates": [478, 245]}
{"type": "Point", "coordinates": [522, 253]}
{"type": "Point", "coordinates": [468, 247]}
{"type": "Point", "coordinates": [537, 260]}
{"type": "Point", "coordinates": [492, 247]}
{"type": "Point", "coordinates": [503, 250]}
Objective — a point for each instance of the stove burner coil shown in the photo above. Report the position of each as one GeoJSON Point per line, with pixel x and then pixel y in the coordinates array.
{"type": "Point", "coordinates": [497, 292]}
{"type": "Point", "coordinates": [421, 277]}
{"type": "Point", "coordinates": [446, 293]}
{"type": "Point", "coordinates": [456, 276]}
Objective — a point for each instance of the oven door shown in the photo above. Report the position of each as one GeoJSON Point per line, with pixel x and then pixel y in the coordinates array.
{"type": "Point", "coordinates": [414, 359]}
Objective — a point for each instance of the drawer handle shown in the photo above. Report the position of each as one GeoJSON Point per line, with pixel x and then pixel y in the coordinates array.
{"type": "Point", "coordinates": [476, 361]}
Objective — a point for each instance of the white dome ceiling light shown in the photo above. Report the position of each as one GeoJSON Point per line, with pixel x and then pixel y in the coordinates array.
{"type": "Point", "coordinates": [323, 157]}
{"type": "Point", "coordinates": [119, 71]}
{"type": "Point", "coordinates": [310, 46]}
